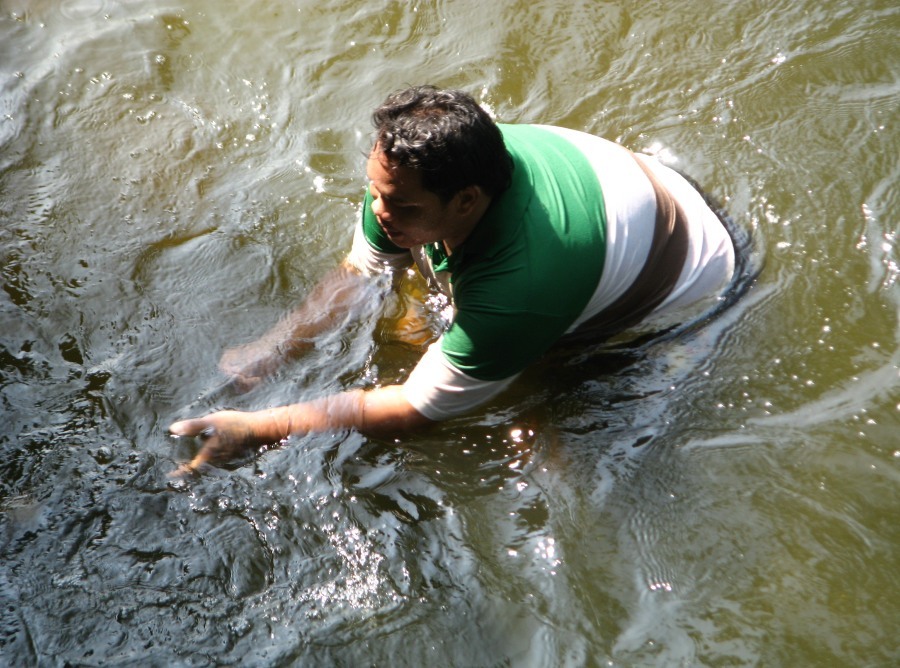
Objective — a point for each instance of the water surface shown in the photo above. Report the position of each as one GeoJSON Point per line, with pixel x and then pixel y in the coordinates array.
{"type": "Point", "coordinates": [175, 175]}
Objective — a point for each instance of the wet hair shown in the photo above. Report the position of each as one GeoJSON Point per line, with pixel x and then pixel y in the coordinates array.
{"type": "Point", "coordinates": [445, 136]}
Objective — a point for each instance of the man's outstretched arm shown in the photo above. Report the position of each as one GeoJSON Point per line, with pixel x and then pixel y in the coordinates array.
{"type": "Point", "coordinates": [230, 434]}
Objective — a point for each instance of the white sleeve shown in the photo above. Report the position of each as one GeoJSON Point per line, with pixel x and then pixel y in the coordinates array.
{"type": "Point", "coordinates": [440, 391]}
{"type": "Point", "coordinates": [369, 261]}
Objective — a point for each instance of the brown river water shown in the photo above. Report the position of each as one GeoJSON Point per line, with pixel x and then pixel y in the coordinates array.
{"type": "Point", "coordinates": [176, 174]}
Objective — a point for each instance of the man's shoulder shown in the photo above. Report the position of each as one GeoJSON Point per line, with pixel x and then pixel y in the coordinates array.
{"type": "Point", "coordinates": [527, 134]}
{"type": "Point", "coordinates": [543, 132]}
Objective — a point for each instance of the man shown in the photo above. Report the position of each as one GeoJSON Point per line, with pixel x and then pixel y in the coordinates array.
{"type": "Point", "coordinates": [537, 234]}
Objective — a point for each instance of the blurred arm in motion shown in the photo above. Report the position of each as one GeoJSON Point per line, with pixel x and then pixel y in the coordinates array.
{"type": "Point", "coordinates": [324, 309]}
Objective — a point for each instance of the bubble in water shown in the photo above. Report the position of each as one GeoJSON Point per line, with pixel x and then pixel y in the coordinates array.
{"type": "Point", "coordinates": [81, 9]}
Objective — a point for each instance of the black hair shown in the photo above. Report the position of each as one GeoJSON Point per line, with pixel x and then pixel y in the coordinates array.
{"type": "Point", "coordinates": [446, 136]}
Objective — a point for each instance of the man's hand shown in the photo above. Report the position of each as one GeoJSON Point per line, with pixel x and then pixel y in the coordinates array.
{"type": "Point", "coordinates": [248, 365]}
{"type": "Point", "coordinates": [225, 436]}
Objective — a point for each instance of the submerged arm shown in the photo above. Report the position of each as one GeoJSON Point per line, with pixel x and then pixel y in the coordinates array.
{"type": "Point", "coordinates": [323, 310]}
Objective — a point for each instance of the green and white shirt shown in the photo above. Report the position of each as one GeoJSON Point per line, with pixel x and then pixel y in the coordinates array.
{"type": "Point", "coordinates": [566, 239]}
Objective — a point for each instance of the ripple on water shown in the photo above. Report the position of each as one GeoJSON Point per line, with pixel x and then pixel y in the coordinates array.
{"type": "Point", "coordinates": [81, 9]}
{"type": "Point", "coordinates": [173, 177]}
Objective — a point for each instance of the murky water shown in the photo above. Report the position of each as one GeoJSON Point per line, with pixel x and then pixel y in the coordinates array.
{"type": "Point", "coordinates": [174, 175]}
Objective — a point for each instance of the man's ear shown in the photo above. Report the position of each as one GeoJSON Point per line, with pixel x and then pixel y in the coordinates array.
{"type": "Point", "coordinates": [466, 200]}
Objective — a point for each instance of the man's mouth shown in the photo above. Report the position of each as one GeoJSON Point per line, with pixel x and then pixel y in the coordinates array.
{"type": "Point", "coordinates": [391, 232]}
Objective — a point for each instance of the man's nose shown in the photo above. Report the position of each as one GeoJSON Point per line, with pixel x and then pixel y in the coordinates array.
{"type": "Point", "coordinates": [379, 210]}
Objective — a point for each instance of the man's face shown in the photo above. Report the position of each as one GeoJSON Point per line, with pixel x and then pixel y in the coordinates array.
{"type": "Point", "coordinates": [409, 214]}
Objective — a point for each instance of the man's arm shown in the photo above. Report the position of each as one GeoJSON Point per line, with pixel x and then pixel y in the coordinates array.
{"type": "Point", "coordinates": [294, 334]}
{"type": "Point", "coordinates": [229, 434]}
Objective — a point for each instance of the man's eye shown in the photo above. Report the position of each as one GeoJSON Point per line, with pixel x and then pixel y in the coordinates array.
{"type": "Point", "coordinates": [397, 206]}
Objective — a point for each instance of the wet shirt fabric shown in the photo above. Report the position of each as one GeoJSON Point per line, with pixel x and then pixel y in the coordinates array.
{"type": "Point", "coordinates": [563, 242]}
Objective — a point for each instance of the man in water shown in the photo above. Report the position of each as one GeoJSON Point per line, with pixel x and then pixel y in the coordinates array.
{"type": "Point", "coordinates": [536, 234]}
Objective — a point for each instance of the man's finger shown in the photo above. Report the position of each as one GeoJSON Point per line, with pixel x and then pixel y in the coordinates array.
{"type": "Point", "coordinates": [193, 427]}
{"type": "Point", "coordinates": [200, 459]}
{"type": "Point", "coordinates": [189, 468]}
